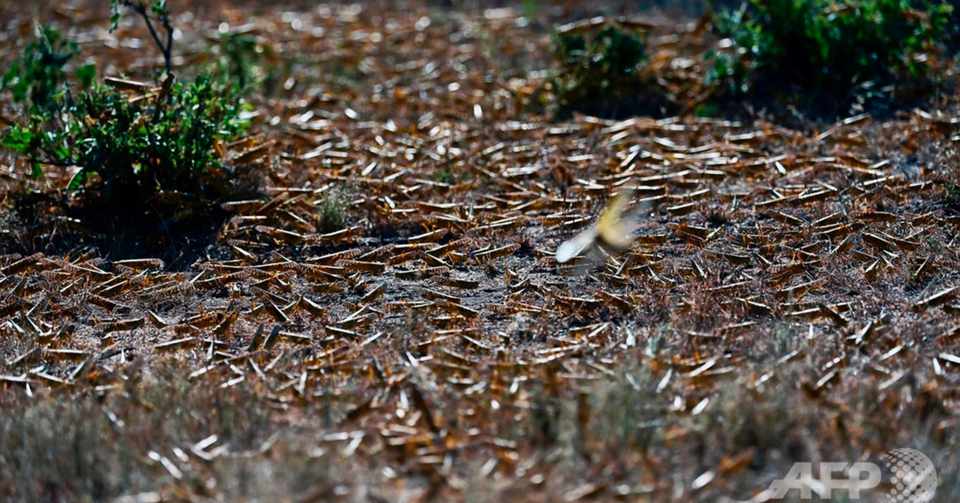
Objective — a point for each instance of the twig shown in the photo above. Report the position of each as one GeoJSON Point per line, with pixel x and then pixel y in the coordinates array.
{"type": "Point", "coordinates": [164, 18]}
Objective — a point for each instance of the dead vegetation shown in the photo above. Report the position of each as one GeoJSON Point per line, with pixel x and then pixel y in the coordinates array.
{"type": "Point", "coordinates": [388, 321]}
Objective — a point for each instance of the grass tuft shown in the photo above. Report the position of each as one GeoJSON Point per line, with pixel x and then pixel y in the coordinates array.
{"type": "Point", "coordinates": [332, 211]}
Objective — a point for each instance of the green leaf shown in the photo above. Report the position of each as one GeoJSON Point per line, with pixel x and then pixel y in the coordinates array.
{"type": "Point", "coordinates": [116, 13]}
{"type": "Point", "coordinates": [11, 75]}
{"type": "Point", "coordinates": [37, 171]}
{"type": "Point", "coordinates": [76, 182]}
{"type": "Point", "coordinates": [86, 74]}
{"type": "Point", "coordinates": [159, 8]}
{"type": "Point", "coordinates": [62, 153]}
{"type": "Point", "coordinates": [19, 139]}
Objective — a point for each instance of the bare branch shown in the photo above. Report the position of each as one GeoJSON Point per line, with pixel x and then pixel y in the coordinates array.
{"type": "Point", "coordinates": [166, 48]}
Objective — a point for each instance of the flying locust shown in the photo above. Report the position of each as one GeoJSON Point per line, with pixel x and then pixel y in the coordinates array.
{"type": "Point", "coordinates": [613, 229]}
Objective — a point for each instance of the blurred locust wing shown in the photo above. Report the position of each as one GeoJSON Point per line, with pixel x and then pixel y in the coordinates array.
{"type": "Point", "coordinates": [573, 247]}
{"type": "Point", "coordinates": [615, 228]}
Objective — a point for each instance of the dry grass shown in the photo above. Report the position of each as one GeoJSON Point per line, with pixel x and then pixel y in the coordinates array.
{"type": "Point", "coordinates": [159, 434]}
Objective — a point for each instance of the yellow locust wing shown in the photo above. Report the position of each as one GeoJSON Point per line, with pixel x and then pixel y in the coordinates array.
{"type": "Point", "coordinates": [615, 228]}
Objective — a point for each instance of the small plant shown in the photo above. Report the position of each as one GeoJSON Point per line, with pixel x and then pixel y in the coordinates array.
{"type": "Point", "coordinates": [240, 59]}
{"type": "Point", "coordinates": [530, 8]}
{"type": "Point", "coordinates": [826, 46]}
{"type": "Point", "coordinates": [135, 146]}
{"type": "Point", "coordinates": [598, 72]}
{"type": "Point", "coordinates": [445, 176]}
{"type": "Point", "coordinates": [952, 197]}
{"type": "Point", "coordinates": [331, 211]}
{"type": "Point", "coordinates": [37, 77]}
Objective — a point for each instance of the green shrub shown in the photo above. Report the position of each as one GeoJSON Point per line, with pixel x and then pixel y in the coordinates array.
{"type": "Point", "coordinates": [598, 71]}
{"type": "Point", "coordinates": [133, 147]}
{"type": "Point", "coordinates": [38, 75]}
{"type": "Point", "coordinates": [136, 147]}
{"type": "Point", "coordinates": [826, 46]}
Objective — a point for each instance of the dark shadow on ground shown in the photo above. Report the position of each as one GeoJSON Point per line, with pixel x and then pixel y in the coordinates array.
{"type": "Point", "coordinates": [42, 222]}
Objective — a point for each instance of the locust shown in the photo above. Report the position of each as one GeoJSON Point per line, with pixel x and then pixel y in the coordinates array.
{"type": "Point", "coordinates": [613, 229]}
